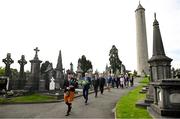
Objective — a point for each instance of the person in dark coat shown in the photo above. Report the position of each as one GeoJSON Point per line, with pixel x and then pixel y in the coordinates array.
{"type": "Point", "coordinates": [101, 83]}
{"type": "Point", "coordinates": [113, 80]}
{"type": "Point", "coordinates": [117, 81]}
{"type": "Point", "coordinates": [95, 83]}
{"type": "Point", "coordinates": [132, 81]}
{"type": "Point", "coordinates": [86, 85]}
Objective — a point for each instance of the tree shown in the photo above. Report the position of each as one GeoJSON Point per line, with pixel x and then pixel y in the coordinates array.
{"type": "Point", "coordinates": [85, 64]}
{"type": "Point", "coordinates": [114, 60]}
{"type": "Point", "coordinates": [2, 71]}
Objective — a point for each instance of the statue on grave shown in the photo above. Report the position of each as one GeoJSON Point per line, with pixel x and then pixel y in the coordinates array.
{"type": "Point", "coordinates": [8, 61]}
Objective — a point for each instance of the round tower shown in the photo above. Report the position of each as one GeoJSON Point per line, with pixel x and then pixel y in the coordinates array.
{"type": "Point", "coordinates": [141, 41]}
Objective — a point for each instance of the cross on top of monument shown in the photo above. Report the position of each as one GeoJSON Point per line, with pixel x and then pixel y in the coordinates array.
{"type": "Point", "coordinates": [36, 50]}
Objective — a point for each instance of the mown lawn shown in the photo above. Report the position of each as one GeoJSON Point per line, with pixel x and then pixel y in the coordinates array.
{"type": "Point", "coordinates": [144, 80]}
{"type": "Point", "coordinates": [28, 98]}
{"type": "Point", "coordinates": [125, 108]}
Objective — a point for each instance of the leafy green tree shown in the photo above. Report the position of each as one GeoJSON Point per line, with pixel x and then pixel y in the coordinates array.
{"type": "Point", "coordinates": [85, 64]}
{"type": "Point", "coordinates": [114, 60]}
{"type": "Point", "coordinates": [2, 71]}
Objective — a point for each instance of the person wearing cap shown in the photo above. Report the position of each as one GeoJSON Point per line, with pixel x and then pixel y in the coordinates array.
{"type": "Point", "coordinates": [69, 89]}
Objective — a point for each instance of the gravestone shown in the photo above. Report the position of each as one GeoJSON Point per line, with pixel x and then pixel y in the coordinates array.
{"type": "Point", "coordinates": [8, 61]}
{"type": "Point", "coordinates": [4, 83]}
{"type": "Point", "coordinates": [52, 84]}
{"type": "Point", "coordinates": [33, 81]}
{"type": "Point", "coordinates": [49, 71]}
{"type": "Point", "coordinates": [22, 75]}
{"type": "Point", "coordinates": [42, 83]}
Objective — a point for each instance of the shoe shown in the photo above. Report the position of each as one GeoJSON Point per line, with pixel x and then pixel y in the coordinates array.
{"type": "Point", "coordinates": [67, 114]}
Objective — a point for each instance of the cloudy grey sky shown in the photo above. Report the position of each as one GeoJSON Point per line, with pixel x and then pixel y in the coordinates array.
{"type": "Point", "coordinates": [88, 27]}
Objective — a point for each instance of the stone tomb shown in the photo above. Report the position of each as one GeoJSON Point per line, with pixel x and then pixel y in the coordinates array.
{"type": "Point", "coordinates": [167, 97]}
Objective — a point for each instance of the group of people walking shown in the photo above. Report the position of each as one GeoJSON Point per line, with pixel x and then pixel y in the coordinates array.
{"type": "Point", "coordinates": [96, 81]}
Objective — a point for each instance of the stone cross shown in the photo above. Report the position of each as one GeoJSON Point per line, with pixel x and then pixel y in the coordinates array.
{"type": "Point", "coordinates": [8, 61]}
{"type": "Point", "coordinates": [36, 50]}
{"type": "Point", "coordinates": [22, 62]}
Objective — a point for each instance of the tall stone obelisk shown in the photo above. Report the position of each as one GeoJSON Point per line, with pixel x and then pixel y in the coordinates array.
{"type": "Point", "coordinates": [141, 41]}
{"type": "Point", "coordinates": [59, 79]}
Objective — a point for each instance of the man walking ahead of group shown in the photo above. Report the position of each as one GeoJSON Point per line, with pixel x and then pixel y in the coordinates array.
{"type": "Point", "coordinates": [86, 81]}
{"type": "Point", "coordinates": [69, 89]}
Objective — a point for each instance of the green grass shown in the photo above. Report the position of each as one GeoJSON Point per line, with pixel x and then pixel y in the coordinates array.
{"type": "Point", "coordinates": [28, 98]}
{"type": "Point", "coordinates": [145, 80]}
{"type": "Point", "coordinates": [125, 108]}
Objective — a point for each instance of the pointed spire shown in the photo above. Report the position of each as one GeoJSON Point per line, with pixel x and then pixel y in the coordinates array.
{"type": "Point", "coordinates": [155, 20]}
{"type": "Point", "coordinates": [158, 47]}
{"type": "Point", "coordinates": [139, 6]}
{"type": "Point", "coordinates": [59, 63]}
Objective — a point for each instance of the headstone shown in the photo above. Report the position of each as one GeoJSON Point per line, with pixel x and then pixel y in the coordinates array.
{"type": "Point", "coordinates": [8, 61]}
{"type": "Point", "coordinates": [52, 84]}
{"type": "Point", "coordinates": [42, 83]}
{"type": "Point", "coordinates": [22, 75]}
{"type": "Point", "coordinates": [4, 83]}
{"type": "Point", "coordinates": [33, 81]}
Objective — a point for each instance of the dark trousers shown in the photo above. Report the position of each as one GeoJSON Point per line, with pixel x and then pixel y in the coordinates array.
{"type": "Point", "coordinates": [85, 94]}
{"type": "Point", "coordinates": [117, 84]}
{"type": "Point", "coordinates": [102, 89]}
{"type": "Point", "coordinates": [96, 90]}
{"type": "Point", "coordinates": [69, 107]}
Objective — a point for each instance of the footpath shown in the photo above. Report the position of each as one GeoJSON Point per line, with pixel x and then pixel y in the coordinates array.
{"type": "Point", "coordinates": [100, 107]}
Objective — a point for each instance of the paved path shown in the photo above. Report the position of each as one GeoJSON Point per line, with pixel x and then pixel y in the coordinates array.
{"type": "Point", "coordinates": [100, 107]}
